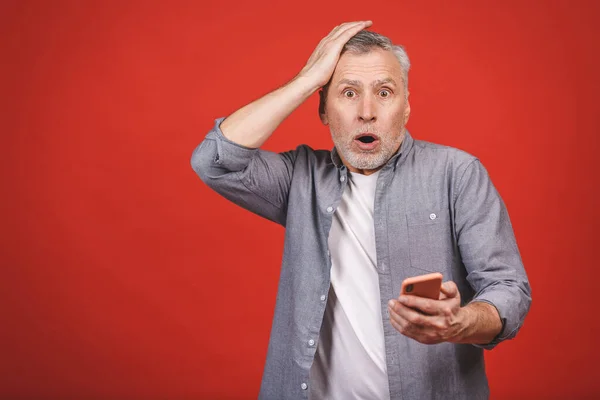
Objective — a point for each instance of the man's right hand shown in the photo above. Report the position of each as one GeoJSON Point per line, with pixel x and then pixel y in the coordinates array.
{"type": "Point", "coordinates": [322, 62]}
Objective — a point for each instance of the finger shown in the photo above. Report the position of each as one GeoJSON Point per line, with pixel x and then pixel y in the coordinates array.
{"type": "Point", "coordinates": [332, 33]}
{"type": "Point", "coordinates": [327, 38]}
{"type": "Point", "coordinates": [345, 33]}
{"type": "Point", "coordinates": [394, 316]}
{"type": "Point", "coordinates": [396, 325]}
{"type": "Point", "coordinates": [401, 329]}
{"type": "Point", "coordinates": [338, 28]}
{"type": "Point", "coordinates": [424, 305]}
{"type": "Point", "coordinates": [345, 25]}
{"type": "Point", "coordinates": [406, 328]}
{"type": "Point", "coordinates": [412, 316]}
{"type": "Point", "coordinates": [335, 34]}
{"type": "Point", "coordinates": [330, 37]}
{"type": "Point", "coordinates": [449, 289]}
{"type": "Point", "coordinates": [418, 335]}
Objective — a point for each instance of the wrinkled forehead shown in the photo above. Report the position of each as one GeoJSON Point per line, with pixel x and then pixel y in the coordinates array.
{"type": "Point", "coordinates": [367, 68]}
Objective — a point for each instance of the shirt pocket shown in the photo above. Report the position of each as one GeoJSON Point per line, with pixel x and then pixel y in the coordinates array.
{"type": "Point", "coordinates": [430, 240]}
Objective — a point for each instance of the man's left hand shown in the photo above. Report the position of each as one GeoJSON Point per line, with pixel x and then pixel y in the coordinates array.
{"type": "Point", "coordinates": [430, 321]}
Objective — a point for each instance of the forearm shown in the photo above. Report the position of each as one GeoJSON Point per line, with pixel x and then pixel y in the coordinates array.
{"type": "Point", "coordinates": [253, 124]}
{"type": "Point", "coordinates": [482, 323]}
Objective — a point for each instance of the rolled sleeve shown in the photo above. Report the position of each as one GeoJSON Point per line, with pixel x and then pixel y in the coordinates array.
{"type": "Point", "coordinates": [223, 152]}
{"type": "Point", "coordinates": [489, 251]}
{"type": "Point", "coordinates": [255, 179]}
{"type": "Point", "coordinates": [510, 317]}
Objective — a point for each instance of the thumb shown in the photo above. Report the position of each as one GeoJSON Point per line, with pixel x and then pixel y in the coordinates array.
{"type": "Point", "coordinates": [449, 290]}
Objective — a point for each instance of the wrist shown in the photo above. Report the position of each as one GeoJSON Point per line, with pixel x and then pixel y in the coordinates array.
{"type": "Point", "coordinates": [479, 323]}
{"type": "Point", "coordinates": [305, 84]}
{"type": "Point", "coordinates": [467, 321]}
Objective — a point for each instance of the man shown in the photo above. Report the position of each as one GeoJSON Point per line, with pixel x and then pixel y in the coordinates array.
{"type": "Point", "coordinates": [377, 209]}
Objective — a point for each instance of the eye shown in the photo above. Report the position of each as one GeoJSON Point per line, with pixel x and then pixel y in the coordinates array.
{"type": "Point", "coordinates": [384, 93]}
{"type": "Point", "coordinates": [349, 93]}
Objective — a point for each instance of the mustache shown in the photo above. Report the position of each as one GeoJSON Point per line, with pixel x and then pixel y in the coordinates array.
{"type": "Point", "coordinates": [366, 129]}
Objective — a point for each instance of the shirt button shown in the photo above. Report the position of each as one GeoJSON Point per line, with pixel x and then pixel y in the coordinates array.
{"type": "Point", "coordinates": [323, 297]}
{"type": "Point", "coordinates": [432, 216]}
{"type": "Point", "coordinates": [342, 179]}
{"type": "Point", "coordinates": [304, 386]}
{"type": "Point", "coordinates": [329, 209]}
{"type": "Point", "coordinates": [311, 342]}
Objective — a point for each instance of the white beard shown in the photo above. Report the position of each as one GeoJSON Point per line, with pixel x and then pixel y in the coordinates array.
{"type": "Point", "coordinates": [367, 160]}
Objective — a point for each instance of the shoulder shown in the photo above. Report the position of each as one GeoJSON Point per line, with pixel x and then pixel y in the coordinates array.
{"type": "Point", "coordinates": [434, 150]}
{"type": "Point", "coordinates": [308, 155]}
{"type": "Point", "coordinates": [438, 156]}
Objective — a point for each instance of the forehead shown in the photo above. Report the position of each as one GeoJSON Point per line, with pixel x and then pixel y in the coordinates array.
{"type": "Point", "coordinates": [374, 65]}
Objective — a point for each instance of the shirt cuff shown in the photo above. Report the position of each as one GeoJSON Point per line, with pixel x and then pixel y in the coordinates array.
{"type": "Point", "coordinates": [510, 322]}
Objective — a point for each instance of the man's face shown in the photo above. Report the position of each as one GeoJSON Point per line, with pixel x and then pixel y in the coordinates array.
{"type": "Point", "coordinates": [366, 109]}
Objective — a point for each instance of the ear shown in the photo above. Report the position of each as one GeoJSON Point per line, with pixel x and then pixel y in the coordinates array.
{"type": "Point", "coordinates": [406, 111]}
{"type": "Point", "coordinates": [322, 112]}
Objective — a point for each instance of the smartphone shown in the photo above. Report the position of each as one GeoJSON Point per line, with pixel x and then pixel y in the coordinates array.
{"type": "Point", "coordinates": [428, 285]}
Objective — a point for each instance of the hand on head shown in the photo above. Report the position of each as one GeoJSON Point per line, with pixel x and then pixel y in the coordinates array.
{"type": "Point", "coordinates": [322, 62]}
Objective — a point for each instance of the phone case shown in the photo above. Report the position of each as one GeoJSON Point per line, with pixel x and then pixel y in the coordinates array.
{"type": "Point", "coordinates": [428, 285]}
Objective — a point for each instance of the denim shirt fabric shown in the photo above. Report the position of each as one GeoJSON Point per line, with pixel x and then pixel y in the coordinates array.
{"type": "Point", "coordinates": [436, 210]}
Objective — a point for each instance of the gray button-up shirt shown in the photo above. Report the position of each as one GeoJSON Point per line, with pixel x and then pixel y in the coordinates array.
{"type": "Point", "coordinates": [436, 210]}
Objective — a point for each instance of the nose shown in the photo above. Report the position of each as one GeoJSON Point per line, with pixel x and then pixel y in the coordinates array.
{"type": "Point", "coordinates": [366, 109]}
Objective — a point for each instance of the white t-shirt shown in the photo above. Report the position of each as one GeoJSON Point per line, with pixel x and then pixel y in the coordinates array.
{"type": "Point", "coordinates": [350, 359]}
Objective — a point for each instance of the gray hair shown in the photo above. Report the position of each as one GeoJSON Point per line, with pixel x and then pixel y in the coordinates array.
{"type": "Point", "coordinates": [364, 42]}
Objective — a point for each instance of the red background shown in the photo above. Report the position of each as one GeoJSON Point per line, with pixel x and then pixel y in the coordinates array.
{"type": "Point", "coordinates": [123, 276]}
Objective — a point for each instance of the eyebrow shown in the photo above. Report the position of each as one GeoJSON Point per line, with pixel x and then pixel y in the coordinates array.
{"type": "Point", "coordinates": [356, 83]}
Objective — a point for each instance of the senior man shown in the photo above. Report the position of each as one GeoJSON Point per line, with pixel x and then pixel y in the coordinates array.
{"type": "Point", "coordinates": [377, 209]}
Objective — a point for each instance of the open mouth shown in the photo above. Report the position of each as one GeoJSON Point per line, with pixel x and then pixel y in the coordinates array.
{"type": "Point", "coordinates": [366, 137]}
{"type": "Point", "coordinates": [366, 141]}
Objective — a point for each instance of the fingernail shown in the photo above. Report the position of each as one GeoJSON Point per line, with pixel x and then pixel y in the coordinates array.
{"type": "Point", "coordinates": [391, 303]}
